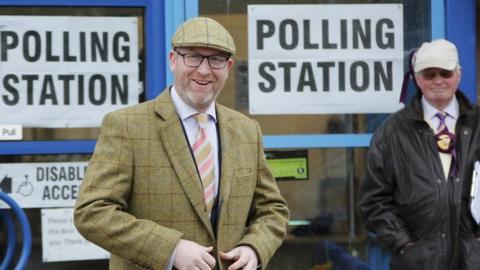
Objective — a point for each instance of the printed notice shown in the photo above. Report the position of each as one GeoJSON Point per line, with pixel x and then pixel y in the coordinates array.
{"type": "Point", "coordinates": [67, 71]}
{"type": "Point", "coordinates": [325, 59]}
{"type": "Point", "coordinates": [45, 184]}
{"type": "Point", "coordinates": [288, 165]}
{"type": "Point", "coordinates": [61, 240]}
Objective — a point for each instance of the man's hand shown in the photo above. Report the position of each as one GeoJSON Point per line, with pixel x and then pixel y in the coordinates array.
{"type": "Point", "coordinates": [244, 257]}
{"type": "Point", "coordinates": [192, 256]}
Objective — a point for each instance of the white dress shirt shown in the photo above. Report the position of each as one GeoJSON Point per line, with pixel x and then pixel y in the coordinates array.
{"type": "Point", "coordinates": [433, 121]}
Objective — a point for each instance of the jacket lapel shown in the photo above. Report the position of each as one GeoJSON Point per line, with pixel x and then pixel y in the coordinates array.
{"type": "Point", "coordinates": [178, 151]}
{"type": "Point", "coordinates": [227, 137]}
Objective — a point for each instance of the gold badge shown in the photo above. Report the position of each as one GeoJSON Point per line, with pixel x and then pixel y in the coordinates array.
{"type": "Point", "coordinates": [443, 142]}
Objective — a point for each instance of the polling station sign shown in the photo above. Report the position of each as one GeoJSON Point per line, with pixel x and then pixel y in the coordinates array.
{"type": "Point", "coordinates": [42, 184]}
{"type": "Point", "coordinates": [61, 71]}
{"type": "Point", "coordinates": [325, 59]}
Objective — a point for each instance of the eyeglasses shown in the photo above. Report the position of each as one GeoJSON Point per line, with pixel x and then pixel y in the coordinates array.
{"type": "Point", "coordinates": [195, 60]}
{"type": "Point", "coordinates": [432, 74]}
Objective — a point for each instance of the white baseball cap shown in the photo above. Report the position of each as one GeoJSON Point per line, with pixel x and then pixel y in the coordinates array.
{"type": "Point", "coordinates": [439, 53]}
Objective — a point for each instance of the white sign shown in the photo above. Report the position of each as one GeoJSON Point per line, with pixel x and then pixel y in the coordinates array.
{"type": "Point", "coordinates": [58, 71]}
{"type": "Point", "coordinates": [38, 185]}
{"type": "Point", "coordinates": [11, 132]}
{"type": "Point", "coordinates": [325, 59]}
{"type": "Point", "coordinates": [61, 240]}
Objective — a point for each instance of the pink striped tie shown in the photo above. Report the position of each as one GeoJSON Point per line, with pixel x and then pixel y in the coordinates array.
{"type": "Point", "coordinates": [203, 152]}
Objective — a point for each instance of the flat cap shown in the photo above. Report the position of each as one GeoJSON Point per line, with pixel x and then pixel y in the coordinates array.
{"type": "Point", "coordinates": [203, 32]}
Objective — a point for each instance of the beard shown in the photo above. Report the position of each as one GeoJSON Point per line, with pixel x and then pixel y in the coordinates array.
{"type": "Point", "coordinates": [199, 100]}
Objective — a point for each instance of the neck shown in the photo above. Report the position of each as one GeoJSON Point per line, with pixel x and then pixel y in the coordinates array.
{"type": "Point", "coordinates": [441, 105]}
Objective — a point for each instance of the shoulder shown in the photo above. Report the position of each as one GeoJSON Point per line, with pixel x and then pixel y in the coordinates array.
{"type": "Point", "coordinates": [238, 126]}
{"type": "Point", "coordinates": [232, 117]}
{"type": "Point", "coordinates": [163, 100]}
{"type": "Point", "coordinates": [142, 107]}
{"type": "Point", "coordinates": [128, 118]}
{"type": "Point", "coordinates": [396, 124]}
{"type": "Point", "coordinates": [137, 111]}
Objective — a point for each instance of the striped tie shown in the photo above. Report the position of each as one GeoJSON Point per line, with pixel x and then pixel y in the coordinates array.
{"type": "Point", "coordinates": [203, 152]}
{"type": "Point", "coordinates": [446, 142]}
{"type": "Point", "coordinates": [441, 117]}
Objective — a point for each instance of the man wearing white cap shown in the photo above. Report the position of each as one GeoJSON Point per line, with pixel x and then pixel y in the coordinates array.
{"type": "Point", "coordinates": [181, 181]}
{"type": "Point", "coordinates": [416, 194]}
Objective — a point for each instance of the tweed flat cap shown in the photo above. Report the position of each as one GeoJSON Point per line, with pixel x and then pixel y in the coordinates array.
{"type": "Point", "coordinates": [203, 32]}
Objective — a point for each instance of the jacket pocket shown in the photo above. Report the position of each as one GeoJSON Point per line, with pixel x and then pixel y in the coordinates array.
{"type": "Point", "coordinates": [471, 253]}
{"type": "Point", "coordinates": [409, 257]}
{"type": "Point", "coordinates": [243, 183]}
{"type": "Point", "coordinates": [243, 172]}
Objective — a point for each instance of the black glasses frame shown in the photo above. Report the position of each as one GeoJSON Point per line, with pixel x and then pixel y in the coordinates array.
{"type": "Point", "coordinates": [208, 57]}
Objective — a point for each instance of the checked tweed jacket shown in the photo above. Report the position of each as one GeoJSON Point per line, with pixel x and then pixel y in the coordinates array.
{"type": "Point", "coordinates": [142, 193]}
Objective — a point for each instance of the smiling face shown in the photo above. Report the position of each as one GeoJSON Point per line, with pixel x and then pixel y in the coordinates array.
{"type": "Point", "coordinates": [198, 86]}
{"type": "Point", "coordinates": [438, 86]}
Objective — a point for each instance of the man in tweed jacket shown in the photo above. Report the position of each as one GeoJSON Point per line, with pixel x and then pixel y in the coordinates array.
{"type": "Point", "coordinates": [142, 197]}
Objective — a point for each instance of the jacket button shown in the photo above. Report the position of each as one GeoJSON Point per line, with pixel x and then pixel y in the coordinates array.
{"type": "Point", "coordinates": [465, 131]}
{"type": "Point", "coordinates": [439, 181]}
{"type": "Point", "coordinates": [443, 235]}
{"type": "Point", "coordinates": [457, 179]}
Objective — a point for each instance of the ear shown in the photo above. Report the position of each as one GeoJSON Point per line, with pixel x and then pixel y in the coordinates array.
{"type": "Point", "coordinates": [172, 56]}
{"type": "Point", "coordinates": [230, 63]}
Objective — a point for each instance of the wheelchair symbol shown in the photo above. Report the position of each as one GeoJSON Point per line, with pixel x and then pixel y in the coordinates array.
{"type": "Point", "coordinates": [25, 188]}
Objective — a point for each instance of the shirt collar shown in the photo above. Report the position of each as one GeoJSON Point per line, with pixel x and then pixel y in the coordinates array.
{"type": "Point", "coordinates": [429, 111]}
{"type": "Point", "coordinates": [185, 111]}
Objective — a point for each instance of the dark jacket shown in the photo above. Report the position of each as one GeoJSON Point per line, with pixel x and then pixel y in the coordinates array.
{"type": "Point", "coordinates": [406, 198]}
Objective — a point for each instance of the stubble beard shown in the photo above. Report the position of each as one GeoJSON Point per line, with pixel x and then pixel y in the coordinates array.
{"type": "Point", "coordinates": [201, 101]}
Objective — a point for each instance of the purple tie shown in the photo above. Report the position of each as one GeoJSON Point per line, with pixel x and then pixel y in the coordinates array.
{"type": "Point", "coordinates": [445, 141]}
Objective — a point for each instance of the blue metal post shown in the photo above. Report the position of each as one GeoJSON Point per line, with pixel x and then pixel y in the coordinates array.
{"type": "Point", "coordinates": [11, 238]}
{"type": "Point", "coordinates": [27, 234]}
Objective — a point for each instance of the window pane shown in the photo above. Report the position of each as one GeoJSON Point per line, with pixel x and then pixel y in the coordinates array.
{"type": "Point", "coordinates": [38, 134]}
